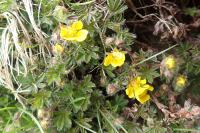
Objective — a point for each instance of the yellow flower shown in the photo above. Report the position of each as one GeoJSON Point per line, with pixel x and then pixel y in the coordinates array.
{"type": "Point", "coordinates": [170, 62]}
{"type": "Point", "coordinates": [75, 32]}
{"type": "Point", "coordinates": [115, 58]}
{"type": "Point", "coordinates": [58, 49]}
{"type": "Point", "coordinates": [137, 88]}
{"type": "Point", "coordinates": [181, 81]}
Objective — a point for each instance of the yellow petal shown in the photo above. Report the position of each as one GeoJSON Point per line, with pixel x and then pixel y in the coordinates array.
{"type": "Point", "coordinates": [144, 81]}
{"type": "Point", "coordinates": [115, 50]}
{"type": "Point", "coordinates": [107, 60]}
{"type": "Point", "coordinates": [140, 91]}
{"type": "Point", "coordinates": [58, 48]}
{"type": "Point", "coordinates": [148, 87]}
{"type": "Point", "coordinates": [138, 78]}
{"type": "Point", "coordinates": [63, 31]}
{"type": "Point", "coordinates": [181, 81]}
{"type": "Point", "coordinates": [170, 62]}
{"type": "Point", "coordinates": [81, 35]}
{"type": "Point", "coordinates": [67, 33]}
{"type": "Point", "coordinates": [118, 59]}
{"type": "Point", "coordinates": [130, 92]}
{"type": "Point", "coordinates": [78, 25]}
{"type": "Point", "coordinates": [143, 99]}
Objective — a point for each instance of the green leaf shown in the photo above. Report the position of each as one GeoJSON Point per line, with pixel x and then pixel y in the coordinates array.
{"type": "Point", "coordinates": [39, 99]}
{"type": "Point", "coordinates": [156, 129]}
{"type": "Point", "coordinates": [26, 80]}
{"type": "Point", "coordinates": [94, 55]}
{"type": "Point", "coordinates": [6, 5]}
{"type": "Point", "coordinates": [60, 14]}
{"type": "Point", "coordinates": [54, 73]}
{"type": "Point", "coordinates": [119, 103]}
{"type": "Point", "coordinates": [148, 73]}
{"type": "Point", "coordinates": [116, 6]}
{"type": "Point", "coordinates": [110, 73]}
{"type": "Point", "coordinates": [191, 11]}
{"type": "Point", "coordinates": [86, 84]}
{"type": "Point", "coordinates": [63, 120]}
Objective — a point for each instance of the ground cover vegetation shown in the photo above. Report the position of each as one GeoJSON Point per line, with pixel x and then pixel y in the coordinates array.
{"type": "Point", "coordinates": [99, 66]}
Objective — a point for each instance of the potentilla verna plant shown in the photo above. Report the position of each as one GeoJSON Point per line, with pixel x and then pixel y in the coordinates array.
{"type": "Point", "coordinates": [99, 66]}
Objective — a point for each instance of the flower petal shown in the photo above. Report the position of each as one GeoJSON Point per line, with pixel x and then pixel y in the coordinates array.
{"type": "Point", "coordinates": [58, 48]}
{"type": "Point", "coordinates": [143, 81]}
{"type": "Point", "coordinates": [118, 59]}
{"type": "Point", "coordinates": [67, 33]}
{"type": "Point", "coordinates": [108, 60]}
{"type": "Point", "coordinates": [78, 25]}
{"type": "Point", "coordinates": [143, 99]}
{"type": "Point", "coordinates": [81, 35]}
{"type": "Point", "coordinates": [130, 92]}
{"type": "Point", "coordinates": [148, 87]}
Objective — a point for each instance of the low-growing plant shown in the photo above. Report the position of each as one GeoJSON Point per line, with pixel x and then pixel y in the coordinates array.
{"type": "Point", "coordinates": [70, 66]}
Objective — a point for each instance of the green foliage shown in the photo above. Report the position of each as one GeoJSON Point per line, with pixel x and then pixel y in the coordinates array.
{"type": "Point", "coordinates": [72, 86]}
{"type": "Point", "coordinates": [6, 5]}
{"type": "Point", "coordinates": [149, 73]}
{"type": "Point", "coordinates": [63, 120]}
{"type": "Point", "coordinates": [39, 99]}
{"type": "Point", "coordinates": [54, 73]}
{"type": "Point", "coordinates": [116, 6]}
{"type": "Point", "coordinates": [60, 14]}
{"type": "Point", "coordinates": [190, 65]}
{"type": "Point", "coordinates": [191, 11]}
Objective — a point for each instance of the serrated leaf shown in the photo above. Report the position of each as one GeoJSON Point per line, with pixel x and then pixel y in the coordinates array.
{"type": "Point", "coordinates": [54, 73]}
{"type": "Point", "coordinates": [63, 120]}
{"type": "Point", "coordinates": [39, 99]}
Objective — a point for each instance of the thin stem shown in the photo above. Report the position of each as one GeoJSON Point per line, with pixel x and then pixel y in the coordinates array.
{"type": "Point", "coordinates": [186, 130]}
{"type": "Point", "coordinates": [109, 122]}
{"type": "Point", "coordinates": [92, 131]}
{"type": "Point", "coordinates": [33, 118]}
{"type": "Point", "coordinates": [145, 60]}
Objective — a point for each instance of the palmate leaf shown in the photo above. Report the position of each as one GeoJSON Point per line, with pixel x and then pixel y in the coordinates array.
{"type": "Point", "coordinates": [63, 120]}
{"type": "Point", "coordinates": [87, 84]}
{"type": "Point", "coordinates": [118, 103]}
{"type": "Point", "coordinates": [148, 73]}
{"type": "Point", "coordinates": [39, 99]}
{"type": "Point", "coordinates": [54, 73]}
{"type": "Point", "coordinates": [116, 6]}
{"type": "Point", "coordinates": [156, 129]}
{"type": "Point", "coordinates": [6, 5]}
{"type": "Point", "coordinates": [191, 11]}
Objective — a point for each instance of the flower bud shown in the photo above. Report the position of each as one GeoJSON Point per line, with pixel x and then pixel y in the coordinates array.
{"type": "Point", "coordinates": [44, 114]}
{"type": "Point", "coordinates": [40, 113]}
{"type": "Point", "coordinates": [180, 83]}
{"type": "Point", "coordinates": [119, 42]}
{"type": "Point", "coordinates": [119, 121]}
{"type": "Point", "coordinates": [103, 81]}
{"type": "Point", "coordinates": [45, 123]}
{"type": "Point", "coordinates": [58, 49]}
{"type": "Point", "coordinates": [109, 40]}
{"type": "Point", "coordinates": [170, 62]}
{"type": "Point", "coordinates": [168, 67]}
{"type": "Point", "coordinates": [111, 89]}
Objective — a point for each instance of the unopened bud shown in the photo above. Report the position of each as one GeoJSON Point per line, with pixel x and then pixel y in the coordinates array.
{"type": "Point", "coordinates": [45, 123]}
{"type": "Point", "coordinates": [119, 121]}
{"type": "Point", "coordinates": [168, 67]}
{"type": "Point", "coordinates": [58, 49]}
{"type": "Point", "coordinates": [103, 81]}
{"type": "Point", "coordinates": [44, 114]}
{"type": "Point", "coordinates": [119, 42]}
{"type": "Point", "coordinates": [111, 89]}
{"type": "Point", "coordinates": [170, 62]}
{"type": "Point", "coordinates": [180, 83]}
{"type": "Point", "coordinates": [109, 40]}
